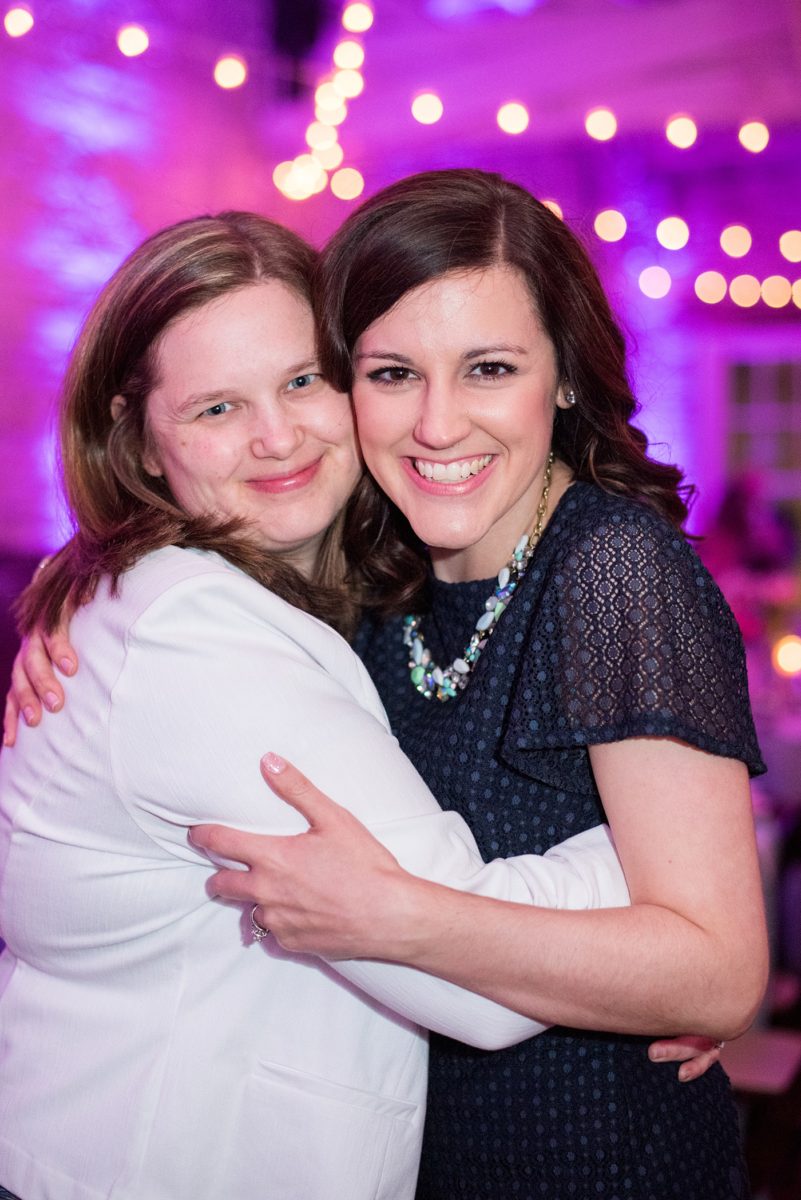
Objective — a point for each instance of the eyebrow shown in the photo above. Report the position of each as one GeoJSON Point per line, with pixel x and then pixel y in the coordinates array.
{"type": "Point", "coordinates": [478, 352]}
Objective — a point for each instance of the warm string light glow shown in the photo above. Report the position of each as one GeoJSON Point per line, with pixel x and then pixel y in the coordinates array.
{"type": "Point", "coordinates": [555, 207]}
{"type": "Point", "coordinates": [745, 290]}
{"type": "Point", "coordinates": [230, 71]}
{"type": "Point", "coordinates": [132, 40]}
{"type": "Point", "coordinates": [655, 282]}
{"type": "Point", "coordinates": [308, 174]}
{"type": "Point", "coordinates": [790, 245]}
{"type": "Point", "coordinates": [348, 56]}
{"type": "Point", "coordinates": [754, 136]}
{"type": "Point", "coordinates": [610, 225]}
{"type": "Point", "coordinates": [513, 118]}
{"type": "Point", "coordinates": [681, 131]}
{"type": "Point", "coordinates": [347, 183]}
{"type": "Point", "coordinates": [735, 240]}
{"type": "Point", "coordinates": [786, 655]}
{"type": "Point", "coordinates": [673, 233]}
{"type": "Point", "coordinates": [427, 108]}
{"type": "Point", "coordinates": [357, 18]}
{"type": "Point", "coordinates": [601, 124]}
{"type": "Point", "coordinates": [710, 286]}
{"type": "Point", "coordinates": [776, 291]}
{"type": "Point", "coordinates": [18, 21]}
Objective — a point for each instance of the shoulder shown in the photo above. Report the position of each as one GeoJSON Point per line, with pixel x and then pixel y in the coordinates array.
{"type": "Point", "coordinates": [618, 542]}
{"type": "Point", "coordinates": [176, 599]}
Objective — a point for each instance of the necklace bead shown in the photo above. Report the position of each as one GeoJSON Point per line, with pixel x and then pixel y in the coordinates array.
{"type": "Point", "coordinates": [444, 683]}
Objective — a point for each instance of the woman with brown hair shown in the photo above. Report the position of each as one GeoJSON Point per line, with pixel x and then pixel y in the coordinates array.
{"type": "Point", "coordinates": [149, 1049]}
{"type": "Point", "coordinates": [588, 670]}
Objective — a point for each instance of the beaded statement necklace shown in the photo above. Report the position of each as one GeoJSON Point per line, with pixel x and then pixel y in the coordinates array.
{"type": "Point", "coordinates": [444, 682]}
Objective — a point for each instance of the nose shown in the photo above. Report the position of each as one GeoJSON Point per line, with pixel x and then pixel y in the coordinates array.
{"type": "Point", "coordinates": [274, 433]}
{"type": "Point", "coordinates": [442, 419]}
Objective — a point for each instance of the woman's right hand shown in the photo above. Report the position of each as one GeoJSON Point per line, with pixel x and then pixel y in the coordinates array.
{"type": "Point", "coordinates": [34, 683]}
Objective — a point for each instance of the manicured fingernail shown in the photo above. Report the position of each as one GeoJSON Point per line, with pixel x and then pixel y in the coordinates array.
{"type": "Point", "coordinates": [52, 701]}
{"type": "Point", "coordinates": [67, 665]}
{"type": "Point", "coordinates": [684, 1074]}
{"type": "Point", "coordinates": [273, 763]}
{"type": "Point", "coordinates": [655, 1055]}
{"type": "Point", "coordinates": [29, 715]}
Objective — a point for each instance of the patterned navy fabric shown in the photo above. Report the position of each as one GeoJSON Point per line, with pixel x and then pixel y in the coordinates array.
{"type": "Point", "coordinates": [616, 631]}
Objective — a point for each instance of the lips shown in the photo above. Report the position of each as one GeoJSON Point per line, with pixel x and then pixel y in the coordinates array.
{"type": "Point", "coordinates": [457, 471]}
{"type": "Point", "coordinates": [276, 485]}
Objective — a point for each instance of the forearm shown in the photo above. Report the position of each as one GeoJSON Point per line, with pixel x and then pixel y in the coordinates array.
{"type": "Point", "coordinates": [638, 970]}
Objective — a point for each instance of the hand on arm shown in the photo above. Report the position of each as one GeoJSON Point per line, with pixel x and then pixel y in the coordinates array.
{"type": "Point", "coordinates": [337, 891]}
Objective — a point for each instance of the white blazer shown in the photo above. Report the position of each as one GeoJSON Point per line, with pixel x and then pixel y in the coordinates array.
{"type": "Point", "coordinates": [149, 1050]}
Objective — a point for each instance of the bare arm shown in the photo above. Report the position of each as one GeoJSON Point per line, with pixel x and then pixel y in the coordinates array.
{"type": "Point", "coordinates": [690, 953]}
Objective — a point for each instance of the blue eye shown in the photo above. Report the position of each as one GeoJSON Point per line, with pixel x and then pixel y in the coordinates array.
{"type": "Point", "coordinates": [216, 410]}
{"type": "Point", "coordinates": [302, 381]}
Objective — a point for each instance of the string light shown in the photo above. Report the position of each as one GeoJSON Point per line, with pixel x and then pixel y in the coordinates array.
{"type": "Point", "coordinates": [348, 55]}
{"type": "Point", "coordinates": [655, 282]}
{"type": "Point", "coordinates": [357, 18]}
{"type": "Point", "coordinates": [673, 233]}
{"type": "Point", "coordinates": [710, 286]}
{"type": "Point", "coordinates": [754, 136]}
{"type": "Point", "coordinates": [797, 293]}
{"type": "Point", "coordinates": [745, 290]}
{"type": "Point", "coordinates": [427, 108]}
{"type": "Point", "coordinates": [230, 71]}
{"type": "Point", "coordinates": [327, 97]}
{"type": "Point", "coordinates": [329, 157]}
{"type": "Point", "coordinates": [601, 124]}
{"type": "Point", "coordinates": [790, 245]}
{"type": "Point", "coordinates": [681, 131]}
{"type": "Point", "coordinates": [320, 136]}
{"type": "Point", "coordinates": [348, 83]}
{"type": "Point", "coordinates": [132, 40]}
{"type": "Point", "coordinates": [331, 116]}
{"type": "Point", "coordinates": [555, 207]}
{"type": "Point", "coordinates": [610, 225]}
{"type": "Point", "coordinates": [18, 21]}
{"type": "Point", "coordinates": [786, 655]}
{"type": "Point", "coordinates": [776, 291]}
{"type": "Point", "coordinates": [735, 240]}
{"type": "Point", "coordinates": [347, 183]}
{"type": "Point", "coordinates": [513, 118]}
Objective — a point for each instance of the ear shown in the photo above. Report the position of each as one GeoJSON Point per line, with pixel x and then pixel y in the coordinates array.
{"type": "Point", "coordinates": [117, 405]}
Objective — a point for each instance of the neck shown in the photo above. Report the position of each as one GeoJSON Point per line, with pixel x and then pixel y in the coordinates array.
{"type": "Point", "coordinates": [485, 559]}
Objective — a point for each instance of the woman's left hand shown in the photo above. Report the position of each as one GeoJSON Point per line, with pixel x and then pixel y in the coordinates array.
{"type": "Point", "coordinates": [696, 1054]}
{"type": "Point", "coordinates": [320, 892]}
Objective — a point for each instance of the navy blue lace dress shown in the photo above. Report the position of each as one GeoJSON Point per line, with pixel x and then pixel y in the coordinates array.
{"type": "Point", "coordinates": [616, 631]}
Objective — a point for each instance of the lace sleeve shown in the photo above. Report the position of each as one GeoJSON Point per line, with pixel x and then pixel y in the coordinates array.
{"type": "Point", "coordinates": [632, 638]}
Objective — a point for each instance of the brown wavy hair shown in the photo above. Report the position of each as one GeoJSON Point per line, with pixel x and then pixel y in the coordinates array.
{"type": "Point", "coordinates": [422, 227]}
{"type": "Point", "coordinates": [120, 511]}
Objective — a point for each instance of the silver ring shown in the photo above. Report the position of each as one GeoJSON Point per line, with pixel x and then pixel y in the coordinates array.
{"type": "Point", "coordinates": [256, 929]}
{"type": "Point", "coordinates": [719, 1045]}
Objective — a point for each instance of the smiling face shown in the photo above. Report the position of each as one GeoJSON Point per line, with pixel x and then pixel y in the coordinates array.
{"type": "Point", "coordinates": [241, 424]}
{"type": "Point", "coordinates": [454, 391]}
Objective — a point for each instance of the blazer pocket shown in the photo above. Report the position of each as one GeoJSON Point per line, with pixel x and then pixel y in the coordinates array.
{"type": "Point", "coordinates": [309, 1138]}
